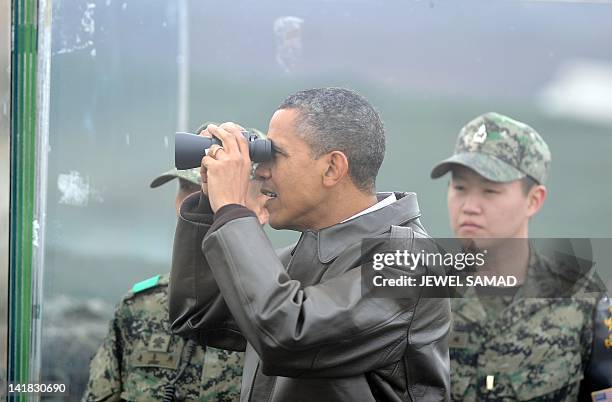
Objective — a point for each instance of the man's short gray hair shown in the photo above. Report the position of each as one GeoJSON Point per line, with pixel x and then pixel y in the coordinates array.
{"type": "Point", "coordinates": [338, 119]}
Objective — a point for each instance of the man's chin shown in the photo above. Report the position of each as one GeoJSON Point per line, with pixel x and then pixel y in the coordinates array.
{"type": "Point", "coordinates": [275, 226]}
{"type": "Point", "coordinates": [470, 232]}
{"type": "Point", "coordinates": [276, 223]}
{"type": "Point", "coordinates": [281, 223]}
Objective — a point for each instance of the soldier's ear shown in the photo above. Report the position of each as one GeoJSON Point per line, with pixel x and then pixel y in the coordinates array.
{"type": "Point", "coordinates": [535, 199]}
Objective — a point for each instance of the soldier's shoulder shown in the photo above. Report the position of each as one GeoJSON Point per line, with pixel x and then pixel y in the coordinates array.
{"type": "Point", "coordinates": [145, 305]}
{"type": "Point", "coordinates": [148, 295]}
{"type": "Point", "coordinates": [572, 274]}
{"type": "Point", "coordinates": [148, 287]}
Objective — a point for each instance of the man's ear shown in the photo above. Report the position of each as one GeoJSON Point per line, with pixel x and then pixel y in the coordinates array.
{"type": "Point", "coordinates": [535, 198]}
{"type": "Point", "coordinates": [337, 168]}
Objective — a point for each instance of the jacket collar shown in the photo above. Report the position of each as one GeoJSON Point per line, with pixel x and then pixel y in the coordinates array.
{"type": "Point", "coordinates": [335, 239]}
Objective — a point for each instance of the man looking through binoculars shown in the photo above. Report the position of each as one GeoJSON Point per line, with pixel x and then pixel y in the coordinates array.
{"type": "Point", "coordinates": [312, 334]}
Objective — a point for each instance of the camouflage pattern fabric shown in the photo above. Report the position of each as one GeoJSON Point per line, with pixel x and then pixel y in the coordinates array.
{"type": "Point", "coordinates": [140, 357]}
{"type": "Point", "coordinates": [500, 149]}
{"type": "Point", "coordinates": [191, 175]}
{"type": "Point", "coordinates": [250, 129]}
{"type": "Point", "coordinates": [529, 349]}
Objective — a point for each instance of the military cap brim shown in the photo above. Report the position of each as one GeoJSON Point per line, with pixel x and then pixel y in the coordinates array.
{"type": "Point", "coordinates": [191, 175]}
{"type": "Point", "coordinates": [487, 166]}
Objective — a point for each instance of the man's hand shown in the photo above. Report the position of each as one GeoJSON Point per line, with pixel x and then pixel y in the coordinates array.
{"type": "Point", "coordinates": [226, 170]}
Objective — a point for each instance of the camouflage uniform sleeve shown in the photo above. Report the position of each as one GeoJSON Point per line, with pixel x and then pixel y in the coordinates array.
{"type": "Point", "coordinates": [105, 367]}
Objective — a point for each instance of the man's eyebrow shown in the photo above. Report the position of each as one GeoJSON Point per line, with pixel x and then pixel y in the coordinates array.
{"type": "Point", "coordinates": [279, 149]}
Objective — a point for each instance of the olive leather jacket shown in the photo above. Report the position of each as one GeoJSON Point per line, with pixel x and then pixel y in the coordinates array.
{"type": "Point", "coordinates": [311, 332]}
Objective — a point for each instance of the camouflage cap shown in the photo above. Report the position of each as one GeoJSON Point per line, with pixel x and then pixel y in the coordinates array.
{"type": "Point", "coordinates": [251, 130]}
{"type": "Point", "coordinates": [191, 175]}
{"type": "Point", "coordinates": [500, 149]}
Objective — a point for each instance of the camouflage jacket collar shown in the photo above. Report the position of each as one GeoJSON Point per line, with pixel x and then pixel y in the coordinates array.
{"type": "Point", "coordinates": [546, 282]}
{"type": "Point", "coordinates": [472, 309]}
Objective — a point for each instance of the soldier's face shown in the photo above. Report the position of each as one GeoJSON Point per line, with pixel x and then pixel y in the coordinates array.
{"type": "Point", "coordinates": [479, 208]}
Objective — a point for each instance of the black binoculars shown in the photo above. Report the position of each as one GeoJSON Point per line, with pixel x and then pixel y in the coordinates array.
{"type": "Point", "coordinates": [189, 149]}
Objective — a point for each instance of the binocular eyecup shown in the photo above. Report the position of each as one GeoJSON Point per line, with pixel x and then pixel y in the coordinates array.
{"type": "Point", "coordinates": [189, 149]}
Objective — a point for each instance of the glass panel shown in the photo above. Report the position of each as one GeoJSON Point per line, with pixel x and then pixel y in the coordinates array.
{"type": "Point", "coordinates": [5, 114]}
{"type": "Point", "coordinates": [119, 90]}
{"type": "Point", "coordinates": [113, 110]}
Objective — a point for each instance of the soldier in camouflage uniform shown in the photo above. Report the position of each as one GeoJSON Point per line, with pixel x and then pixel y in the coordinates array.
{"type": "Point", "coordinates": [524, 343]}
{"type": "Point", "coordinates": [141, 360]}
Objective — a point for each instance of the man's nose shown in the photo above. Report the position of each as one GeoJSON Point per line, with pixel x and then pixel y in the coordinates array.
{"type": "Point", "coordinates": [471, 205]}
{"type": "Point", "coordinates": [262, 171]}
